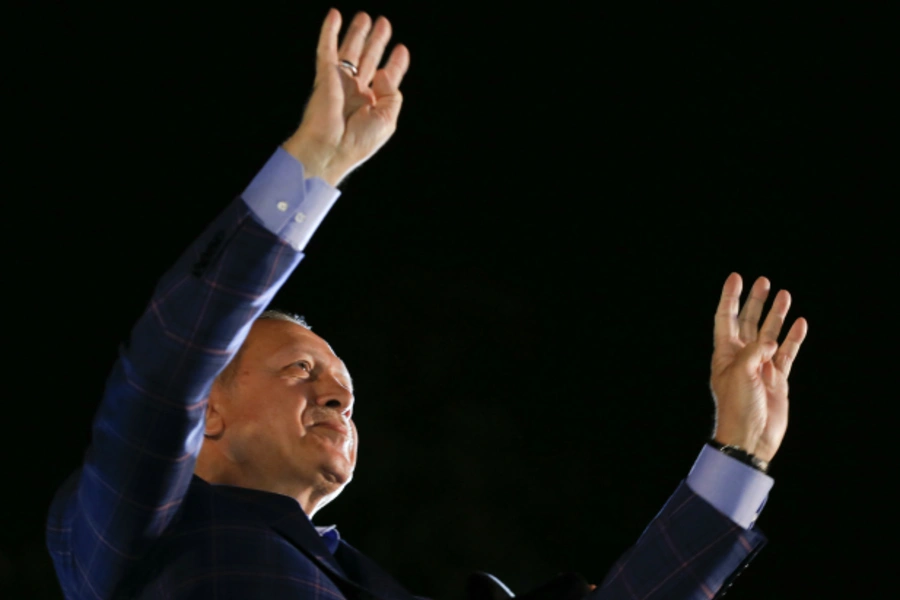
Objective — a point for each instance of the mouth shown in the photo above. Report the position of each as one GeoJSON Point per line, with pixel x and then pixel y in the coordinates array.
{"type": "Point", "coordinates": [332, 425]}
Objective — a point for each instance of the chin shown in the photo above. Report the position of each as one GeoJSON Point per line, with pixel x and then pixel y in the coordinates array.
{"type": "Point", "coordinates": [337, 476]}
{"type": "Point", "coordinates": [337, 471]}
{"type": "Point", "coordinates": [332, 483]}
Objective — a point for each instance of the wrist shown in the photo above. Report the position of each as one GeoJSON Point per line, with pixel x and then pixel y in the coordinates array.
{"type": "Point", "coordinates": [730, 431]}
{"type": "Point", "coordinates": [317, 160]}
{"type": "Point", "coordinates": [741, 455]}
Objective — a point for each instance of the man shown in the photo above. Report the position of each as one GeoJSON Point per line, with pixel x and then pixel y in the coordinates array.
{"type": "Point", "coordinates": [220, 433]}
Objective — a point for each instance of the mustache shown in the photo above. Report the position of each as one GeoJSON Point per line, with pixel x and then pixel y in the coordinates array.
{"type": "Point", "coordinates": [331, 417]}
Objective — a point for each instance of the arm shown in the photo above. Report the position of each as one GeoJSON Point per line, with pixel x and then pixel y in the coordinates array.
{"type": "Point", "coordinates": [704, 535]}
{"type": "Point", "coordinates": [148, 429]}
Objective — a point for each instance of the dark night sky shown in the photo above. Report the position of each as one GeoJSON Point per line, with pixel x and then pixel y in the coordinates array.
{"type": "Point", "coordinates": [522, 282]}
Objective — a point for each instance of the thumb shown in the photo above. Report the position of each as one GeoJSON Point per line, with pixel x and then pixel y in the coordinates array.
{"type": "Point", "coordinates": [753, 355]}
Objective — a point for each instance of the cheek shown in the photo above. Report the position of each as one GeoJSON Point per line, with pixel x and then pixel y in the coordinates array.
{"type": "Point", "coordinates": [271, 421]}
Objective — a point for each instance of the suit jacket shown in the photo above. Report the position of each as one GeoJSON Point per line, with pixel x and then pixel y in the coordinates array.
{"type": "Point", "coordinates": [133, 521]}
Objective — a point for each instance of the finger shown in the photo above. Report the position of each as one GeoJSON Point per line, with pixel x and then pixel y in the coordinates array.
{"type": "Point", "coordinates": [355, 38]}
{"type": "Point", "coordinates": [326, 51]}
{"type": "Point", "coordinates": [748, 320]}
{"type": "Point", "coordinates": [726, 327]}
{"type": "Point", "coordinates": [771, 327]}
{"type": "Point", "coordinates": [326, 89]}
{"type": "Point", "coordinates": [769, 374]}
{"type": "Point", "coordinates": [787, 352]}
{"type": "Point", "coordinates": [754, 355]}
{"type": "Point", "coordinates": [387, 80]}
{"type": "Point", "coordinates": [374, 50]}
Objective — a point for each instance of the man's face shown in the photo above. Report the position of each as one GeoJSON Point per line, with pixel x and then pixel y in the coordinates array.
{"type": "Point", "coordinates": [286, 412]}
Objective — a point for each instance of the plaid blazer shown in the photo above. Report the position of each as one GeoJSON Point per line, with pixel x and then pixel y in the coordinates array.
{"type": "Point", "coordinates": [134, 522]}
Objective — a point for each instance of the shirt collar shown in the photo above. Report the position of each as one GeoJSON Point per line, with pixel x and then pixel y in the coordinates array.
{"type": "Point", "coordinates": [330, 536]}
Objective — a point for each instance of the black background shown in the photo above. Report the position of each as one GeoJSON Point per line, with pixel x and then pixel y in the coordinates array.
{"type": "Point", "coordinates": [522, 282]}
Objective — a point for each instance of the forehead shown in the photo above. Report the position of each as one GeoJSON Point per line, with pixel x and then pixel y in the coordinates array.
{"type": "Point", "coordinates": [273, 339]}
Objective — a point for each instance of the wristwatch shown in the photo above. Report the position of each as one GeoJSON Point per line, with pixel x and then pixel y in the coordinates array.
{"type": "Point", "coordinates": [739, 454]}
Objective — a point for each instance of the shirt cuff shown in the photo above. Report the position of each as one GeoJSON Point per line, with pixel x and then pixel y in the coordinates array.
{"type": "Point", "coordinates": [287, 204]}
{"type": "Point", "coordinates": [734, 489]}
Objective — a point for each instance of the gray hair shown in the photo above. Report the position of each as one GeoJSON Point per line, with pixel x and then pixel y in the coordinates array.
{"type": "Point", "coordinates": [274, 314]}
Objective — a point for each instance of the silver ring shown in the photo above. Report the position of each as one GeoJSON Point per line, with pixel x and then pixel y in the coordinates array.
{"type": "Point", "coordinates": [351, 66]}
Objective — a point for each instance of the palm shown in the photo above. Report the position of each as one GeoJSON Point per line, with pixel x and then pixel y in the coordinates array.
{"type": "Point", "coordinates": [749, 375]}
{"type": "Point", "coordinates": [370, 119]}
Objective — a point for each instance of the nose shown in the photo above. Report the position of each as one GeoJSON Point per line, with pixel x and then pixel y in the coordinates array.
{"type": "Point", "coordinates": [334, 394]}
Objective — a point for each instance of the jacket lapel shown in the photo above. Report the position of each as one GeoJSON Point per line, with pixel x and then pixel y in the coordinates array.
{"type": "Point", "coordinates": [284, 515]}
{"type": "Point", "coordinates": [357, 575]}
{"type": "Point", "coordinates": [363, 570]}
{"type": "Point", "coordinates": [298, 530]}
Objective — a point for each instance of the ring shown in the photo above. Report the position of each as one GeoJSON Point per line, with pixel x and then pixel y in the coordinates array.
{"type": "Point", "coordinates": [351, 66]}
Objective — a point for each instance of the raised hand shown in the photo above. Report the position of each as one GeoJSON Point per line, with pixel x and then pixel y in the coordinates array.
{"type": "Point", "coordinates": [353, 109]}
{"type": "Point", "coordinates": [749, 377]}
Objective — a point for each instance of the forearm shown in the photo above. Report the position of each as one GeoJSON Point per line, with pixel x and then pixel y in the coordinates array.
{"type": "Point", "coordinates": [689, 551]}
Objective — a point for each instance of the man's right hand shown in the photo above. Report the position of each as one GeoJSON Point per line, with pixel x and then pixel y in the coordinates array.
{"type": "Point", "coordinates": [349, 117]}
{"type": "Point", "coordinates": [750, 369]}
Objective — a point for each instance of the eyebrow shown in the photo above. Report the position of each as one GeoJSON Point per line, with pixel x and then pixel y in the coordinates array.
{"type": "Point", "coordinates": [292, 350]}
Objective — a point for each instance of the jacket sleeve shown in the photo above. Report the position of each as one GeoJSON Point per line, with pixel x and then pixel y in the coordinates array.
{"type": "Point", "coordinates": [690, 551]}
{"type": "Point", "coordinates": [149, 427]}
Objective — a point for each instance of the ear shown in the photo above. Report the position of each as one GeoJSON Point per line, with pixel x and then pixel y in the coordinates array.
{"type": "Point", "coordinates": [215, 423]}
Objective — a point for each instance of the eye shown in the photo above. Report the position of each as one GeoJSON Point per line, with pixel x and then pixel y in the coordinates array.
{"type": "Point", "coordinates": [303, 364]}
